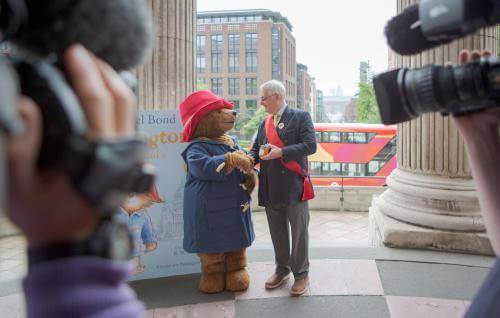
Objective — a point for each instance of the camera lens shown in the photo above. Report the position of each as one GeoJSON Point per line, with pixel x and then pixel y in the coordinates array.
{"type": "Point", "coordinates": [404, 94]}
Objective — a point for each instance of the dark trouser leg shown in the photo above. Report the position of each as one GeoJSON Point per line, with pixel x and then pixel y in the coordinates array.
{"type": "Point", "coordinates": [278, 227]}
{"type": "Point", "coordinates": [298, 215]}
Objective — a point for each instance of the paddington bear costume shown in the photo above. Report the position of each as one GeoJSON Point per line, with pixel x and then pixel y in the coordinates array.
{"type": "Point", "coordinates": [220, 178]}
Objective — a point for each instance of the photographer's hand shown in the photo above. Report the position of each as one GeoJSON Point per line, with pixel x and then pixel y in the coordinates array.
{"type": "Point", "coordinates": [480, 133]}
{"type": "Point", "coordinates": [44, 204]}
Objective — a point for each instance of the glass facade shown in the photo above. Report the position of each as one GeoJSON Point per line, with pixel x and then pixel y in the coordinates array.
{"type": "Point", "coordinates": [201, 62]}
{"type": "Point", "coordinates": [230, 19]}
{"type": "Point", "coordinates": [217, 53]}
{"type": "Point", "coordinates": [251, 42]}
{"type": "Point", "coordinates": [234, 53]}
{"type": "Point", "coordinates": [234, 86]}
{"type": "Point", "coordinates": [216, 86]}
{"type": "Point", "coordinates": [251, 86]}
{"type": "Point", "coordinates": [276, 54]}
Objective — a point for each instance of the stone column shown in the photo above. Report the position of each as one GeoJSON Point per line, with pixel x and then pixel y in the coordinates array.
{"type": "Point", "coordinates": [169, 75]}
{"type": "Point", "coordinates": [431, 201]}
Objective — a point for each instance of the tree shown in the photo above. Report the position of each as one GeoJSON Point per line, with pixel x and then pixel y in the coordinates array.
{"type": "Point", "coordinates": [201, 84]}
{"type": "Point", "coordinates": [367, 109]}
{"type": "Point", "coordinates": [241, 121]}
{"type": "Point", "coordinates": [252, 125]}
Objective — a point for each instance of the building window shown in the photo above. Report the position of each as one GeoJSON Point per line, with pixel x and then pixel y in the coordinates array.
{"type": "Point", "coordinates": [201, 63]}
{"type": "Point", "coordinates": [216, 62]}
{"type": "Point", "coordinates": [236, 104]}
{"type": "Point", "coordinates": [217, 53]}
{"type": "Point", "coordinates": [251, 52]}
{"type": "Point", "coordinates": [234, 53]}
{"type": "Point", "coordinates": [251, 86]}
{"type": "Point", "coordinates": [200, 43]}
{"type": "Point", "coordinates": [276, 53]}
{"type": "Point", "coordinates": [216, 86]}
{"type": "Point", "coordinates": [251, 107]}
{"type": "Point", "coordinates": [251, 62]}
{"type": "Point", "coordinates": [234, 86]}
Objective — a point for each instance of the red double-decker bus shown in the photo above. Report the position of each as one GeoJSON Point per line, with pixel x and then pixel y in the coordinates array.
{"type": "Point", "coordinates": [353, 154]}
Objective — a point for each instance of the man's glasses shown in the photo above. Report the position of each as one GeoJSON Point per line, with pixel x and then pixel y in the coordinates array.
{"type": "Point", "coordinates": [263, 98]}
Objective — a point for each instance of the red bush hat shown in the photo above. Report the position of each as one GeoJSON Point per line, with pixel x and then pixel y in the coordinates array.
{"type": "Point", "coordinates": [195, 107]}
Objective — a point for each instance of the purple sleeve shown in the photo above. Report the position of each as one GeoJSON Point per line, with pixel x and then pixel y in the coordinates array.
{"type": "Point", "coordinates": [81, 287]}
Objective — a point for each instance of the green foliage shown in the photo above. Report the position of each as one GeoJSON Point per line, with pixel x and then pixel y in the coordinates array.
{"type": "Point", "coordinates": [241, 121]}
{"type": "Point", "coordinates": [367, 109]}
{"type": "Point", "coordinates": [251, 126]}
{"type": "Point", "coordinates": [201, 85]}
{"type": "Point", "coordinates": [245, 144]}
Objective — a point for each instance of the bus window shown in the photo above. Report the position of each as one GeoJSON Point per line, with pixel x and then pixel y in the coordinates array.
{"type": "Point", "coordinates": [360, 138]}
{"type": "Point", "coordinates": [324, 137]}
{"type": "Point", "coordinates": [374, 166]}
{"type": "Point", "coordinates": [334, 136]}
{"type": "Point", "coordinates": [335, 168]}
{"type": "Point", "coordinates": [347, 137]}
{"type": "Point", "coordinates": [360, 169]}
{"type": "Point", "coordinates": [315, 168]}
{"type": "Point", "coordinates": [330, 168]}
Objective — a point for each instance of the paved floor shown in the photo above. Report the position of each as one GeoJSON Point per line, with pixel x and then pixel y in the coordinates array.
{"type": "Point", "coordinates": [345, 282]}
{"type": "Point", "coordinates": [348, 279]}
{"type": "Point", "coordinates": [325, 227]}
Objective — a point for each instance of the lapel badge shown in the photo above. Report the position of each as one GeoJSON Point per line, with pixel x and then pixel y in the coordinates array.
{"type": "Point", "coordinates": [281, 125]}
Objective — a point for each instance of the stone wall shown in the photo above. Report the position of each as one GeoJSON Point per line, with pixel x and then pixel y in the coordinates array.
{"type": "Point", "coordinates": [330, 198]}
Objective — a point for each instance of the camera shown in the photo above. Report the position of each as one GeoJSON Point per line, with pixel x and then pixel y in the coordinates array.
{"type": "Point", "coordinates": [403, 94]}
{"type": "Point", "coordinates": [104, 172]}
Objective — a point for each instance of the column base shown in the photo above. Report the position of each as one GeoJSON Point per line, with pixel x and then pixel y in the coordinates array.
{"type": "Point", "coordinates": [387, 231]}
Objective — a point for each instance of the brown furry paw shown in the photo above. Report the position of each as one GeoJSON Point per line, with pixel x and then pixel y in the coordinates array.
{"type": "Point", "coordinates": [238, 280]}
{"type": "Point", "coordinates": [250, 181]}
{"type": "Point", "coordinates": [238, 160]}
{"type": "Point", "coordinates": [212, 283]}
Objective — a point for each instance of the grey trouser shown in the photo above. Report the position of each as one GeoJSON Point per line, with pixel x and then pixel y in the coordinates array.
{"type": "Point", "coordinates": [279, 217]}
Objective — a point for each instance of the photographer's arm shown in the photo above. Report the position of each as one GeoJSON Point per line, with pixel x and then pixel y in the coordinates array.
{"type": "Point", "coordinates": [48, 210]}
{"type": "Point", "coordinates": [480, 133]}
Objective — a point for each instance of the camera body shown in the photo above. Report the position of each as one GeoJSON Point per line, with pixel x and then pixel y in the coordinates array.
{"type": "Point", "coordinates": [403, 94]}
{"type": "Point", "coordinates": [103, 172]}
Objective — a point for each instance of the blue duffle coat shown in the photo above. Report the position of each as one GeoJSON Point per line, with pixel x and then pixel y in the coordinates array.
{"type": "Point", "coordinates": [214, 216]}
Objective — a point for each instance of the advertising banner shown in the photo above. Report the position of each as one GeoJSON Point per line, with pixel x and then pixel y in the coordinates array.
{"type": "Point", "coordinates": [155, 219]}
